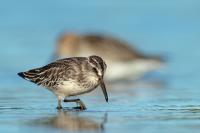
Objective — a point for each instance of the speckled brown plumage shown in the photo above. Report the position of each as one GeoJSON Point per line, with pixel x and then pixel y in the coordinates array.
{"type": "Point", "coordinates": [69, 76]}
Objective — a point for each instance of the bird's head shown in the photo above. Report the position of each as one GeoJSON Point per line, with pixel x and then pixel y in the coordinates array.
{"type": "Point", "coordinates": [99, 67]}
{"type": "Point", "coordinates": [67, 45]}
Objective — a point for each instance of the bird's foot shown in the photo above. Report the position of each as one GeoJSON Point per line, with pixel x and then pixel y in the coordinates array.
{"type": "Point", "coordinates": [80, 108]}
{"type": "Point", "coordinates": [82, 105]}
{"type": "Point", "coordinates": [59, 107]}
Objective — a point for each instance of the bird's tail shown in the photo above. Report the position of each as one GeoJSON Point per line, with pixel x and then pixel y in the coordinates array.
{"type": "Point", "coordinates": [24, 75]}
{"type": "Point", "coordinates": [158, 58]}
{"type": "Point", "coordinates": [149, 63]}
{"type": "Point", "coordinates": [21, 74]}
{"type": "Point", "coordinates": [29, 75]}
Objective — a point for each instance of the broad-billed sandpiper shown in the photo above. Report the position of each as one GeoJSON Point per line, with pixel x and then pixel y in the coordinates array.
{"type": "Point", "coordinates": [70, 77]}
{"type": "Point", "coordinates": [123, 61]}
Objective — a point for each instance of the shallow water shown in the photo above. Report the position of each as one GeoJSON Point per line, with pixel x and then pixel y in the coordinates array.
{"type": "Point", "coordinates": [166, 101]}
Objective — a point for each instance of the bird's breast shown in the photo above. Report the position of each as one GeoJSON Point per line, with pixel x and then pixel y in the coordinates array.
{"type": "Point", "coordinates": [73, 87]}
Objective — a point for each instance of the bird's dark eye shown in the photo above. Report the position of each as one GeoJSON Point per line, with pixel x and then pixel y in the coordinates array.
{"type": "Point", "coordinates": [95, 70]}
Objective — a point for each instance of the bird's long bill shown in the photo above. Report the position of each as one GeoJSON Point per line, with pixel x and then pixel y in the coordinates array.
{"type": "Point", "coordinates": [103, 87]}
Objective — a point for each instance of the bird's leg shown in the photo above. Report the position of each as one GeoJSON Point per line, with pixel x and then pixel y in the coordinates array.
{"type": "Point", "coordinates": [78, 102]}
{"type": "Point", "coordinates": [59, 103]}
{"type": "Point", "coordinates": [82, 105]}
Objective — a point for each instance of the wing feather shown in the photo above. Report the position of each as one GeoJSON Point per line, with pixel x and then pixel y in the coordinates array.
{"type": "Point", "coordinates": [48, 75]}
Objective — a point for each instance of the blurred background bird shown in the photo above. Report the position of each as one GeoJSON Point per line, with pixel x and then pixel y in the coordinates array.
{"type": "Point", "coordinates": [123, 61]}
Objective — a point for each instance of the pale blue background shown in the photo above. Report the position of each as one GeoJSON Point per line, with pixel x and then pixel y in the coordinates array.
{"type": "Point", "coordinates": [28, 32]}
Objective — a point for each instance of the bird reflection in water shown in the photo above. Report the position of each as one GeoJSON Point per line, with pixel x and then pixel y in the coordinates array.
{"type": "Point", "coordinates": [72, 121]}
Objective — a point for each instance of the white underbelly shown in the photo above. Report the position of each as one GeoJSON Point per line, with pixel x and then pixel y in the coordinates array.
{"type": "Point", "coordinates": [71, 88]}
{"type": "Point", "coordinates": [68, 88]}
{"type": "Point", "coordinates": [134, 69]}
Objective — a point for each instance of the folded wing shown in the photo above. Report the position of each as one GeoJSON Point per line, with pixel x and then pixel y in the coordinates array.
{"type": "Point", "coordinates": [47, 76]}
